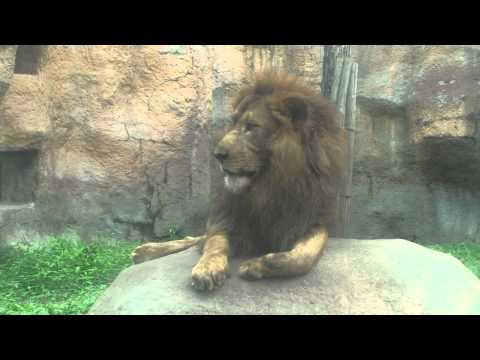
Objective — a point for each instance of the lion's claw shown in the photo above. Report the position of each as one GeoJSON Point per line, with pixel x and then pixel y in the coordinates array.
{"type": "Point", "coordinates": [143, 253]}
{"type": "Point", "coordinates": [251, 269]}
{"type": "Point", "coordinates": [210, 273]}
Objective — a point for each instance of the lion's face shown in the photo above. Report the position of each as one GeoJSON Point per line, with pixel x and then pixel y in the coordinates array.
{"type": "Point", "coordinates": [244, 151]}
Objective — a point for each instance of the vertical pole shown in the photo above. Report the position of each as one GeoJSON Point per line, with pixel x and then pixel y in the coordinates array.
{"type": "Point", "coordinates": [339, 84]}
{"type": "Point", "coordinates": [350, 123]}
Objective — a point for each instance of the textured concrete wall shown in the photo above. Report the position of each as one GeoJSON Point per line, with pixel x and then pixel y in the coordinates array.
{"type": "Point", "coordinates": [417, 156]}
{"type": "Point", "coordinates": [124, 133]}
{"type": "Point", "coordinates": [124, 136]}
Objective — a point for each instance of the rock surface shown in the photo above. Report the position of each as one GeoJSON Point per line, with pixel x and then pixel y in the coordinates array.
{"type": "Point", "coordinates": [124, 132]}
{"type": "Point", "coordinates": [417, 145]}
{"type": "Point", "coordinates": [353, 277]}
{"type": "Point", "coordinates": [7, 64]}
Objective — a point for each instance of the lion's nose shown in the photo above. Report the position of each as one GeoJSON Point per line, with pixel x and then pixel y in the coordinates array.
{"type": "Point", "coordinates": [221, 154]}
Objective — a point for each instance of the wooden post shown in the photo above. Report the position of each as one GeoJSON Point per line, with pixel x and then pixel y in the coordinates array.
{"type": "Point", "coordinates": [350, 123]}
{"type": "Point", "coordinates": [339, 84]}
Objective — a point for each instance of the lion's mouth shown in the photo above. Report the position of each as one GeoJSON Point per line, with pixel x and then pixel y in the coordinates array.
{"type": "Point", "coordinates": [237, 181]}
{"type": "Point", "coordinates": [238, 173]}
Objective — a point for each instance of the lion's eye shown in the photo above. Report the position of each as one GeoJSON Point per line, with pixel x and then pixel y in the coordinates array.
{"type": "Point", "coordinates": [250, 126]}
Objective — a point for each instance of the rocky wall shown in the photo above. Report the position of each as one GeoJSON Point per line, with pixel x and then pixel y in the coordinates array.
{"type": "Point", "coordinates": [123, 135]}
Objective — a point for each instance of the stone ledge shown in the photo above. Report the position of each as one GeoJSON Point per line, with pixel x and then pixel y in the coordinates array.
{"type": "Point", "coordinates": [353, 277]}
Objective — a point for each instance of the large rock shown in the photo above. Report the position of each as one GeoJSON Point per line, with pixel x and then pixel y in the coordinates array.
{"type": "Point", "coordinates": [353, 277]}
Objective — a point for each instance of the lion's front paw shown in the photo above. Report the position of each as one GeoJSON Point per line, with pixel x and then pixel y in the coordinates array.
{"type": "Point", "coordinates": [210, 273]}
{"type": "Point", "coordinates": [253, 269]}
{"type": "Point", "coordinates": [265, 266]}
{"type": "Point", "coordinates": [144, 253]}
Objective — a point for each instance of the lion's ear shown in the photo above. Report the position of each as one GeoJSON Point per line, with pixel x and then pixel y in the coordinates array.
{"type": "Point", "coordinates": [297, 107]}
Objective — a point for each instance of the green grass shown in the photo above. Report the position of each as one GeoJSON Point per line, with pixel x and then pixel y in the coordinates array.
{"type": "Point", "coordinates": [467, 253]}
{"type": "Point", "coordinates": [174, 233]}
{"type": "Point", "coordinates": [64, 276]}
{"type": "Point", "coordinates": [61, 276]}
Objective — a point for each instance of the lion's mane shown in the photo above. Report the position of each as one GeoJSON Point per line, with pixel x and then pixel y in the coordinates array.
{"type": "Point", "coordinates": [298, 188]}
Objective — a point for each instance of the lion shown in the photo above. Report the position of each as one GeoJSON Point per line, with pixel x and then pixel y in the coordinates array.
{"type": "Point", "coordinates": [283, 159]}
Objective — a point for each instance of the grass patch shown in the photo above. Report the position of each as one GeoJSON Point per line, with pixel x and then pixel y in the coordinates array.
{"type": "Point", "coordinates": [64, 276]}
{"type": "Point", "coordinates": [60, 276]}
{"type": "Point", "coordinates": [173, 233]}
{"type": "Point", "coordinates": [467, 253]}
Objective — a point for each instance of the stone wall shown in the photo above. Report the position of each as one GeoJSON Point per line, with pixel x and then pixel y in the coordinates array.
{"type": "Point", "coordinates": [124, 133]}
{"type": "Point", "coordinates": [123, 136]}
{"type": "Point", "coordinates": [7, 65]}
{"type": "Point", "coordinates": [417, 158]}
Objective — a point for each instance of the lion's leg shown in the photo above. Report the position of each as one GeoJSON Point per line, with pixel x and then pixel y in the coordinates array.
{"type": "Point", "coordinates": [150, 251]}
{"type": "Point", "coordinates": [297, 261]}
{"type": "Point", "coordinates": [212, 268]}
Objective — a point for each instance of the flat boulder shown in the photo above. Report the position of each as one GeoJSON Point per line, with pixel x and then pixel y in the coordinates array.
{"type": "Point", "coordinates": [352, 277]}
